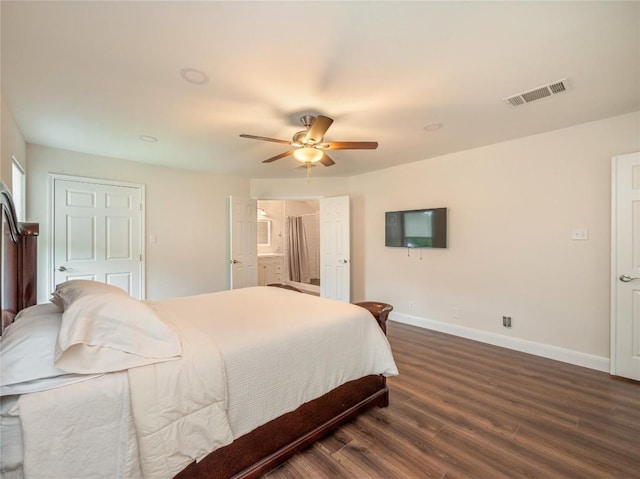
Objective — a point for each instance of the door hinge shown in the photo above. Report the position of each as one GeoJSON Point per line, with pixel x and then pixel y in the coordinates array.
{"type": "Point", "coordinates": [140, 257]}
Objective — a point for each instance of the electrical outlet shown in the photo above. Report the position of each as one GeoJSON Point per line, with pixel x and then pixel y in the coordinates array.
{"type": "Point", "coordinates": [580, 234]}
{"type": "Point", "coordinates": [506, 321]}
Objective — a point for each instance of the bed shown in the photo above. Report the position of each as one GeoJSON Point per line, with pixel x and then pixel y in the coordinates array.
{"type": "Point", "coordinates": [254, 438]}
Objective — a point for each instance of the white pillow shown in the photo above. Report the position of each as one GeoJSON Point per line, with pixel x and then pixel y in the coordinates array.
{"type": "Point", "coordinates": [27, 351]}
{"type": "Point", "coordinates": [110, 332]}
{"type": "Point", "coordinates": [68, 292]}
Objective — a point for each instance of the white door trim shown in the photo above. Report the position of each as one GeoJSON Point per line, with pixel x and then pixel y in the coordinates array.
{"type": "Point", "coordinates": [81, 179]}
{"type": "Point", "coordinates": [614, 265]}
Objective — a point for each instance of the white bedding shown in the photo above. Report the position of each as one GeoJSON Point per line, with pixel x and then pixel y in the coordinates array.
{"type": "Point", "coordinates": [180, 407]}
{"type": "Point", "coordinates": [279, 348]}
{"type": "Point", "coordinates": [10, 439]}
{"type": "Point", "coordinates": [284, 346]}
{"type": "Point", "coordinates": [79, 431]}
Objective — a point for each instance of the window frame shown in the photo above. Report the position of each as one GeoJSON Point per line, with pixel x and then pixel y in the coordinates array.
{"type": "Point", "coordinates": [18, 191]}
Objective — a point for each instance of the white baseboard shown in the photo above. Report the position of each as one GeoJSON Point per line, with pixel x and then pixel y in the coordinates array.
{"type": "Point", "coordinates": [539, 349]}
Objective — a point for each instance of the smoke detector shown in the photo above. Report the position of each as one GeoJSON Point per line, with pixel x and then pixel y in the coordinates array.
{"type": "Point", "coordinates": [539, 93]}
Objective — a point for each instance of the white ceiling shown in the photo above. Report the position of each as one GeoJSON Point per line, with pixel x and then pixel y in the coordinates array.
{"type": "Point", "coordinates": [95, 76]}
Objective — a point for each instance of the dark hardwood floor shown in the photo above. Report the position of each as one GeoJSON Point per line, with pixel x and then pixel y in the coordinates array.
{"type": "Point", "coordinates": [463, 409]}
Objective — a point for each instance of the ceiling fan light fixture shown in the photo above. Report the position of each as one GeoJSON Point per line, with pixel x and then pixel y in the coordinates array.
{"type": "Point", "coordinates": [308, 146]}
{"type": "Point", "coordinates": [300, 139]}
{"type": "Point", "coordinates": [308, 155]}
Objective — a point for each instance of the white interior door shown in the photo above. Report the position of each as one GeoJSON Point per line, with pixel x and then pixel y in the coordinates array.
{"type": "Point", "coordinates": [98, 233]}
{"type": "Point", "coordinates": [243, 260]}
{"type": "Point", "coordinates": [335, 252]}
{"type": "Point", "coordinates": [625, 266]}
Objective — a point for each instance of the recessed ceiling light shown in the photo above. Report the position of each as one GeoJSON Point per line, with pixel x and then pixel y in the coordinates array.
{"type": "Point", "coordinates": [148, 139]}
{"type": "Point", "coordinates": [433, 126]}
{"type": "Point", "coordinates": [197, 77]}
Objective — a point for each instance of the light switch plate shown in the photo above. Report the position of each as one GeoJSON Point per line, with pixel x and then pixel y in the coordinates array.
{"type": "Point", "coordinates": [580, 234]}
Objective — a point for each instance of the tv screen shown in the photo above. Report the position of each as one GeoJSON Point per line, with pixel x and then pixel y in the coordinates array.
{"type": "Point", "coordinates": [426, 228]}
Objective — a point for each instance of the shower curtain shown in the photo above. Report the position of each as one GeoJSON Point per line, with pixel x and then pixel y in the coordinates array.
{"type": "Point", "coordinates": [297, 251]}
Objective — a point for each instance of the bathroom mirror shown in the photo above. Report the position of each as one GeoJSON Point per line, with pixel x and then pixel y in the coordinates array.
{"type": "Point", "coordinates": [264, 232]}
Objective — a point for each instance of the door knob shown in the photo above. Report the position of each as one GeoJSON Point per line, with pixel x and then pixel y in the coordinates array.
{"type": "Point", "coordinates": [626, 279]}
{"type": "Point", "coordinates": [62, 268]}
{"type": "Point", "coordinates": [235, 261]}
{"type": "Point", "coordinates": [343, 261]}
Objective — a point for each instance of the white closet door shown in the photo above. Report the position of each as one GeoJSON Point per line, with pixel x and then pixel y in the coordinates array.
{"type": "Point", "coordinates": [98, 234]}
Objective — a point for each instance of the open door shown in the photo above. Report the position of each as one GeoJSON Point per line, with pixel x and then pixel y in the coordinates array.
{"type": "Point", "coordinates": [243, 241]}
{"type": "Point", "coordinates": [335, 252]}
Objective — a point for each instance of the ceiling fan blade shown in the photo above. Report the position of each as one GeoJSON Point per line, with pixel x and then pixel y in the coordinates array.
{"type": "Point", "coordinates": [326, 161]}
{"type": "Point", "coordinates": [350, 145]}
{"type": "Point", "coordinates": [277, 157]}
{"type": "Point", "coordinates": [264, 138]}
{"type": "Point", "coordinates": [318, 128]}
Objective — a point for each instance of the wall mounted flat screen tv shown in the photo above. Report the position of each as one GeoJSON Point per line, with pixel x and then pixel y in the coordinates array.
{"type": "Point", "coordinates": [426, 228]}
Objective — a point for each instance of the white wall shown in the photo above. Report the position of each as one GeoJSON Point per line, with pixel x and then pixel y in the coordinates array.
{"type": "Point", "coordinates": [11, 143]}
{"type": "Point", "coordinates": [187, 211]}
{"type": "Point", "coordinates": [264, 189]}
{"type": "Point", "coordinates": [512, 207]}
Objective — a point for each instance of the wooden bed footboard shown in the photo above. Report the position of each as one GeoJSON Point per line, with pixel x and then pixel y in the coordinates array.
{"type": "Point", "coordinates": [259, 451]}
{"type": "Point", "coordinates": [264, 448]}
{"type": "Point", "coordinates": [380, 311]}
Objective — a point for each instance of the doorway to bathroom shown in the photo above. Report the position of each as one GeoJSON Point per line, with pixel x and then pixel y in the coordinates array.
{"type": "Point", "coordinates": [289, 243]}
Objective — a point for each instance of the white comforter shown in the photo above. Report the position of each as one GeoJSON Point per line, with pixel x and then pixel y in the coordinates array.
{"type": "Point", "coordinates": [60, 427]}
{"type": "Point", "coordinates": [180, 407]}
{"type": "Point", "coordinates": [282, 348]}
{"type": "Point", "coordinates": [279, 349]}
{"type": "Point", "coordinates": [151, 421]}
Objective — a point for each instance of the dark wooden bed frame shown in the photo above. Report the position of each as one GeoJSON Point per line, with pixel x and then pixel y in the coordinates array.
{"type": "Point", "coordinates": [249, 456]}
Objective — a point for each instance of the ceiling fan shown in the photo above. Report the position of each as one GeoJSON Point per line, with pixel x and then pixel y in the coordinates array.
{"type": "Point", "coordinates": [309, 147]}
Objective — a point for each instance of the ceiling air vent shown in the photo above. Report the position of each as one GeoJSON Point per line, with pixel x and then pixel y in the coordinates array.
{"type": "Point", "coordinates": [538, 93]}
